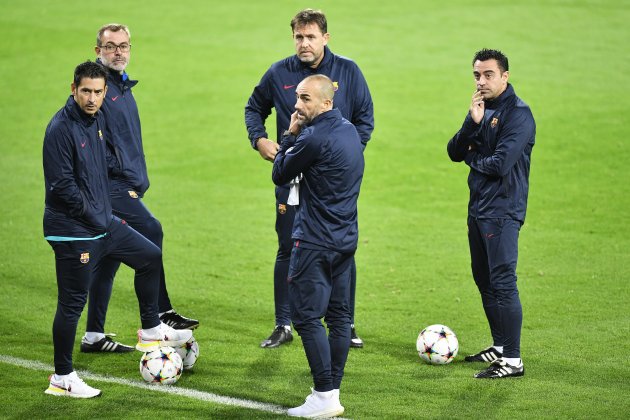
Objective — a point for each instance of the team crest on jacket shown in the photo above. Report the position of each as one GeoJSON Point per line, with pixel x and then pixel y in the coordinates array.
{"type": "Point", "coordinates": [85, 257]}
{"type": "Point", "coordinates": [133, 194]}
{"type": "Point", "coordinates": [494, 122]}
{"type": "Point", "coordinates": [282, 208]}
{"type": "Point", "coordinates": [335, 86]}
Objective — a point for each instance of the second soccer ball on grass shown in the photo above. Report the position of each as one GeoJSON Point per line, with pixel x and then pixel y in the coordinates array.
{"type": "Point", "coordinates": [437, 344]}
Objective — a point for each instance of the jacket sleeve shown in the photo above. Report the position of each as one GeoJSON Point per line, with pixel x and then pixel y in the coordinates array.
{"type": "Point", "coordinates": [518, 130]}
{"type": "Point", "coordinates": [294, 159]}
{"type": "Point", "coordinates": [258, 108]}
{"type": "Point", "coordinates": [59, 172]}
{"type": "Point", "coordinates": [457, 147]}
{"type": "Point", "coordinates": [363, 115]}
{"type": "Point", "coordinates": [113, 164]}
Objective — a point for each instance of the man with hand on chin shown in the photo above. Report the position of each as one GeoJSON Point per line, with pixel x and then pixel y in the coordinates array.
{"type": "Point", "coordinates": [277, 90]}
{"type": "Point", "coordinates": [326, 149]}
{"type": "Point", "coordinates": [496, 142]}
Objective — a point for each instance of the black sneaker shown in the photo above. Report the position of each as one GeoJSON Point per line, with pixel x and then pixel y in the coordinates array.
{"type": "Point", "coordinates": [178, 322]}
{"type": "Point", "coordinates": [488, 355]}
{"type": "Point", "coordinates": [280, 335]}
{"type": "Point", "coordinates": [500, 369]}
{"type": "Point", "coordinates": [355, 341]}
{"type": "Point", "coordinates": [105, 345]}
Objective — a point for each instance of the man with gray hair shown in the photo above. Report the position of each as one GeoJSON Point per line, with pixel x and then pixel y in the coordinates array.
{"type": "Point", "coordinates": [128, 181]}
{"type": "Point", "coordinates": [326, 149]}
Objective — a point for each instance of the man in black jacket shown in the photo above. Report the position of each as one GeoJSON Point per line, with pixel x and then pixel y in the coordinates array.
{"type": "Point", "coordinates": [496, 142]}
{"type": "Point", "coordinates": [128, 181]}
{"type": "Point", "coordinates": [277, 90]}
{"type": "Point", "coordinates": [80, 227]}
{"type": "Point", "coordinates": [327, 150]}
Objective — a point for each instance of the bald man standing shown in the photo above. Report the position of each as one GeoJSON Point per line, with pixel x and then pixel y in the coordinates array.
{"type": "Point", "coordinates": [326, 149]}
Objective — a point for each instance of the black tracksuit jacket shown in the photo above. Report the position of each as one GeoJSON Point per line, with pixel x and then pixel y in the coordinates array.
{"type": "Point", "coordinates": [499, 157]}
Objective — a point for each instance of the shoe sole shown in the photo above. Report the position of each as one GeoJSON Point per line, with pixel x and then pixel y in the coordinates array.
{"type": "Point", "coordinates": [87, 350]}
{"type": "Point", "coordinates": [57, 392]}
{"type": "Point", "coordinates": [321, 414]}
{"type": "Point", "coordinates": [356, 345]}
{"type": "Point", "coordinates": [273, 345]}
{"type": "Point", "coordinates": [514, 375]}
{"type": "Point", "coordinates": [156, 345]}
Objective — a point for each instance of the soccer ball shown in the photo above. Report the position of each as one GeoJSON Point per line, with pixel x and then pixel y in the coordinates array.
{"type": "Point", "coordinates": [437, 344]}
{"type": "Point", "coordinates": [163, 366]}
{"type": "Point", "coordinates": [189, 353]}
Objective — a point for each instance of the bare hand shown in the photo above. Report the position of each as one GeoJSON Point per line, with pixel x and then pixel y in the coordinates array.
{"type": "Point", "coordinates": [295, 126]}
{"type": "Point", "coordinates": [267, 148]}
{"type": "Point", "coordinates": [477, 107]}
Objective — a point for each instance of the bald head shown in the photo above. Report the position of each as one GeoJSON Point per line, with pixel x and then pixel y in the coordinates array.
{"type": "Point", "coordinates": [314, 96]}
{"type": "Point", "coordinates": [323, 85]}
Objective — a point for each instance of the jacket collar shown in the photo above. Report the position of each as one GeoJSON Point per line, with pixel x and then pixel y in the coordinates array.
{"type": "Point", "coordinates": [115, 77]}
{"type": "Point", "coordinates": [328, 56]}
{"type": "Point", "coordinates": [332, 114]}
{"type": "Point", "coordinates": [507, 94]}
{"type": "Point", "coordinates": [76, 113]}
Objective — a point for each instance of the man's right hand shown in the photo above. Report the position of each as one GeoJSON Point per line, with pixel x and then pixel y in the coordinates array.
{"type": "Point", "coordinates": [267, 148]}
{"type": "Point", "coordinates": [477, 107]}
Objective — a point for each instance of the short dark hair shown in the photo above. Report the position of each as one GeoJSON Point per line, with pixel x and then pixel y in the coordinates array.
{"type": "Point", "coordinates": [308, 16]}
{"type": "Point", "coordinates": [90, 70]}
{"type": "Point", "coordinates": [486, 54]}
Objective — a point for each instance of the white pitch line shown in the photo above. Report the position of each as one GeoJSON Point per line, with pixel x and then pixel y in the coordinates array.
{"type": "Point", "coordinates": [183, 392]}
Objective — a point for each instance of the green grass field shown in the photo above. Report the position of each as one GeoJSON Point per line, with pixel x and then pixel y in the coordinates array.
{"type": "Point", "coordinates": [197, 63]}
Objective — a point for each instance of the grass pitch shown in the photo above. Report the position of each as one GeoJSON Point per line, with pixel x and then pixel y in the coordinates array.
{"type": "Point", "coordinates": [197, 63]}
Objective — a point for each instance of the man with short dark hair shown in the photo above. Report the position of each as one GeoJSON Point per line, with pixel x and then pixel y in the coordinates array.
{"type": "Point", "coordinates": [80, 227]}
{"type": "Point", "coordinates": [128, 181]}
{"type": "Point", "coordinates": [496, 142]}
{"type": "Point", "coordinates": [277, 90]}
{"type": "Point", "coordinates": [326, 149]}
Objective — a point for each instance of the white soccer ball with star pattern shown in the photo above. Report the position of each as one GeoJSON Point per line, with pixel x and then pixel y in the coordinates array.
{"type": "Point", "coordinates": [189, 353]}
{"type": "Point", "coordinates": [162, 367]}
{"type": "Point", "coordinates": [437, 344]}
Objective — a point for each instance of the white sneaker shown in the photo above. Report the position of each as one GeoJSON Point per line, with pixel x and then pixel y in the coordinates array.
{"type": "Point", "coordinates": [319, 405]}
{"type": "Point", "coordinates": [164, 336]}
{"type": "Point", "coordinates": [71, 386]}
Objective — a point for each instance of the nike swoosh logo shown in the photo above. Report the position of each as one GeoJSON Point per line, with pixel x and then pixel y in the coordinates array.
{"type": "Point", "coordinates": [83, 143]}
{"type": "Point", "coordinates": [288, 86]}
{"type": "Point", "coordinates": [114, 98]}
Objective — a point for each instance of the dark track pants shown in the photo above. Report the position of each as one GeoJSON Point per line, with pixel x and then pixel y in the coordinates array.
{"type": "Point", "coordinates": [137, 215]}
{"type": "Point", "coordinates": [285, 215]}
{"type": "Point", "coordinates": [494, 253]}
{"type": "Point", "coordinates": [76, 263]}
{"type": "Point", "coordinates": [319, 287]}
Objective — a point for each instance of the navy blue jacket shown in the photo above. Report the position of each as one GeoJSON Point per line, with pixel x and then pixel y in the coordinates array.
{"type": "Point", "coordinates": [499, 157]}
{"type": "Point", "coordinates": [127, 166]}
{"type": "Point", "coordinates": [277, 90]}
{"type": "Point", "coordinates": [329, 154]}
{"type": "Point", "coordinates": [75, 173]}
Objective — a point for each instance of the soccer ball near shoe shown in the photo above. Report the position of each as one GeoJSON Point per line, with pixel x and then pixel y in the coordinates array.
{"type": "Point", "coordinates": [189, 353]}
{"type": "Point", "coordinates": [163, 366]}
{"type": "Point", "coordinates": [437, 344]}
